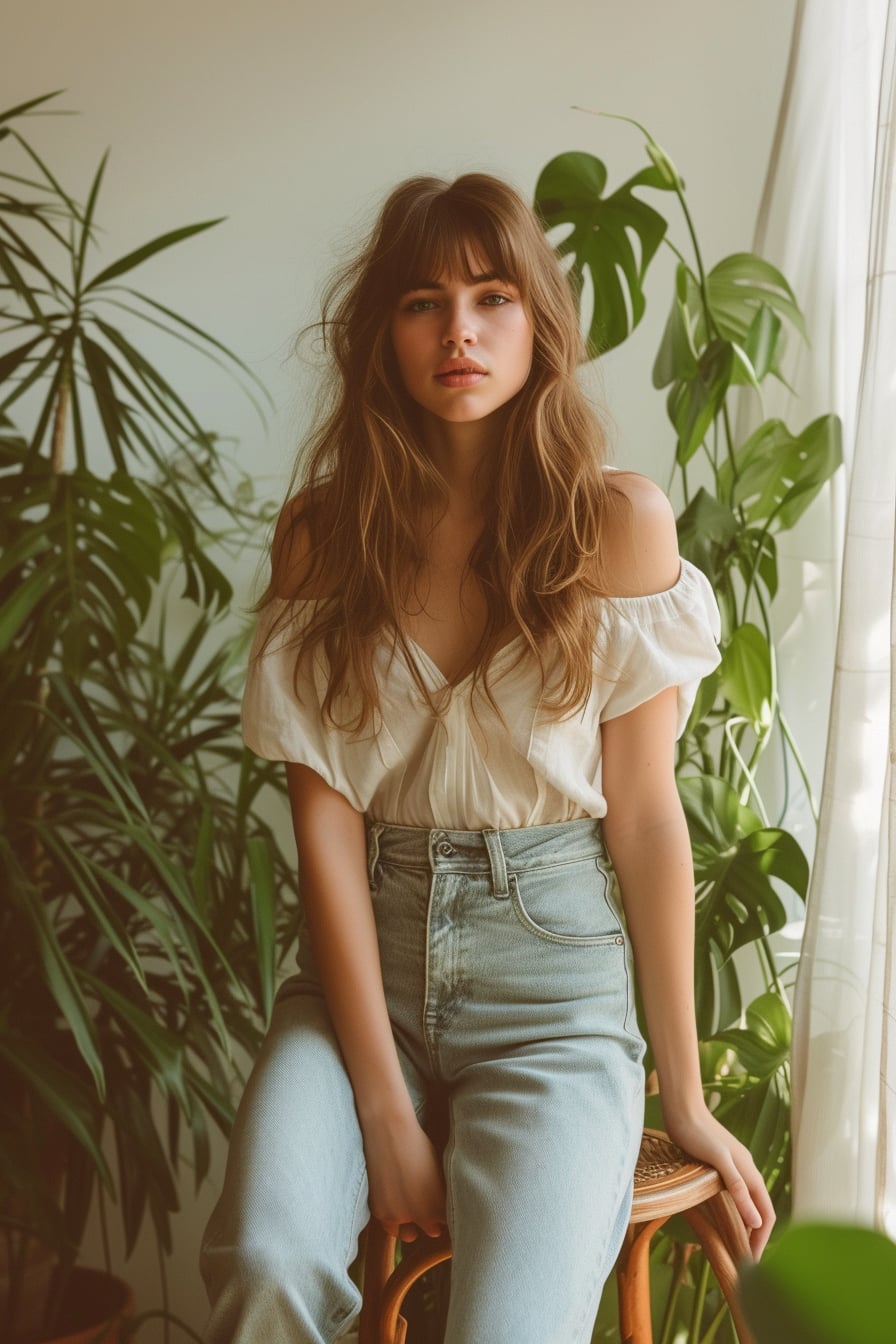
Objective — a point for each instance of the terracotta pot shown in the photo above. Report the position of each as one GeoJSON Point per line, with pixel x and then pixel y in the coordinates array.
{"type": "Point", "coordinates": [93, 1309]}
{"type": "Point", "coordinates": [33, 1278]}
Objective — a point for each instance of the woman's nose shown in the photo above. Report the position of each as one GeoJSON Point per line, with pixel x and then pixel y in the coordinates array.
{"type": "Point", "coordinates": [460, 326]}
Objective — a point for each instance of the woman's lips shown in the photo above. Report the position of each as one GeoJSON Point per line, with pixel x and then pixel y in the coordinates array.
{"type": "Point", "coordinates": [460, 379]}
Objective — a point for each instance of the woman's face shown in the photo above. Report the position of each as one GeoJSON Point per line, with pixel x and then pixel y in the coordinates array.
{"type": "Point", "coordinates": [463, 345]}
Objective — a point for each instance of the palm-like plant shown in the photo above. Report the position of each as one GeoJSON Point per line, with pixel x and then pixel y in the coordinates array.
{"type": "Point", "coordinates": [145, 900]}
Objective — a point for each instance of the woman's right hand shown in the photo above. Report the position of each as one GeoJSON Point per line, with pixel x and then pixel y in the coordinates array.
{"type": "Point", "coordinates": [407, 1188]}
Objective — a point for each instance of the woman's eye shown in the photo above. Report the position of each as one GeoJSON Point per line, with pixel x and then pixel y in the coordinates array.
{"type": "Point", "coordinates": [496, 300]}
{"type": "Point", "coordinates": [419, 305]}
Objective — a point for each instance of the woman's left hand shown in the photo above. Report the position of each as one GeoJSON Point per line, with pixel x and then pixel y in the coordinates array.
{"type": "Point", "coordinates": [703, 1137]}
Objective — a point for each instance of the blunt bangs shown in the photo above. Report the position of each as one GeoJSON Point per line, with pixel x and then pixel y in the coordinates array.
{"type": "Point", "coordinates": [446, 236]}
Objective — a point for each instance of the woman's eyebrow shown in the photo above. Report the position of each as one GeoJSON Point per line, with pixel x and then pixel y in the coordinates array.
{"type": "Point", "coordinates": [485, 278]}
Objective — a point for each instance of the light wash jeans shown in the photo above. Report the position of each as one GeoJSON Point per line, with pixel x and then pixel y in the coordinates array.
{"type": "Point", "coordinates": [508, 977]}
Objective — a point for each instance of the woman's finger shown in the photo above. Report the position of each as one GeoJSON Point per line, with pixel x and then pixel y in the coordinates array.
{"type": "Point", "coordinates": [751, 1199]}
{"type": "Point", "coordinates": [763, 1202]}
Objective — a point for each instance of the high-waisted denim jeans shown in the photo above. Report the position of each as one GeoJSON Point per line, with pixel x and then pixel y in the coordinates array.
{"type": "Point", "coordinates": [508, 976]}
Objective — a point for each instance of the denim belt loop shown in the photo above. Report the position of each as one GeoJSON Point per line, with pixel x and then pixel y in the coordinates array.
{"type": "Point", "coordinates": [492, 839]}
{"type": "Point", "coordinates": [375, 830]}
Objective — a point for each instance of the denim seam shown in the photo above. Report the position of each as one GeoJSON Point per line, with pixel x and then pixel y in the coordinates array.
{"type": "Point", "coordinates": [428, 1043]}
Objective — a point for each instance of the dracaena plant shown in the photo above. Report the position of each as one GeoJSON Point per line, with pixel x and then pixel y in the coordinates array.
{"type": "Point", "coordinates": [145, 900]}
{"type": "Point", "coordinates": [724, 337]}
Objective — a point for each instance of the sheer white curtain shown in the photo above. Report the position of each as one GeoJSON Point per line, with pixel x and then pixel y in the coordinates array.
{"type": "Point", "coordinates": [829, 220]}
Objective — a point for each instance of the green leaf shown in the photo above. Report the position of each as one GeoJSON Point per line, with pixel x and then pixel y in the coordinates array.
{"type": "Point", "coordinates": [757, 553]}
{"type": "Point", "coordinates": [736, 860]}
{"type": "Point", "coordinates": [21, 109]}
{"type": "Point", "coordinates": [98, 370]}
{"type": "Point", "coordinates": [96, 747]}
{"type": "Point", "coordinates": [17, 608]}
{"type": "Point", "coordinates": [776, 475]}
{"type": "Point", "coordinates": [161, 1048]}
{"type": "Point", "coordinates": [822, 1284]}
{"type": "Point", "coordinates": [85, 888]}
{"type": "Point", "coordinates": [677, 356]}
{"type": "Point", "coordinates": [204, 857]}
{"type": "Point", "coordinates": [58, 1089]}
{"type": "Point", "coordinates": [739, 286]}
{"type": "Point", "coordinates": [602, 242]}
{"type": "Point", "coordinates": [141, 254]}
{"type": "Point", "coordinates": [10, 362]}
{"type": "Point", "coordinates": [746, 675]}
{"type": "Point", "coordinates": [206, 338]}
{"type": "Point", "coordinates": [62, 983]}
{"type": "Point", "coordinates": [762, 340]}
{"type": "Point", "coordinates": [262, 892]}
{"type": "Point", "coordinates": [693, 404]}
{"type": "Point", "coordinates": [81, 253]}
{"type": "Point", "coordinates": [707, 530]}
{"type": "Point", "coordinates": [763, 1046]}
{"type": "Point", "coordinates": [138, 1142]}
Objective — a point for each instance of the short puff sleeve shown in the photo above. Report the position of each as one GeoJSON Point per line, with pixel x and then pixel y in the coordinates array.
{"type": "Point", "coordinates": [280, 726]}
{"type": "Point", "coordinates": [660, 640]}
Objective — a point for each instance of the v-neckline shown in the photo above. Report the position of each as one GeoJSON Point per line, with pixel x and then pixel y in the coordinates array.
{"type": "Point", "coordinates": [455, 685]}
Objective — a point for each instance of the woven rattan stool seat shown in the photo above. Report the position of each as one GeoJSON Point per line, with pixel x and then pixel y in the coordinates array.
{"type": "Point", "coordinates": [667, 1181]}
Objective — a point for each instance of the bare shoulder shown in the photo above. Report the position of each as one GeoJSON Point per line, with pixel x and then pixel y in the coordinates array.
{"type": "Point", "coordinates": [296, 564]}
{"type": "Point", "coordinates": [640, 541]}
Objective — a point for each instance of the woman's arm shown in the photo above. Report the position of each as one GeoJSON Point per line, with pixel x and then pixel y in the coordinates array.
{"type": "Point", "coordinates": [406, 1183]}
{"type": "Point", "coordinates": [647, 839]}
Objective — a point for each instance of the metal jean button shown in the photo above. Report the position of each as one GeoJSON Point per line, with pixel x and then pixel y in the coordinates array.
{"type": "Point", "coordinates": [444, 847]}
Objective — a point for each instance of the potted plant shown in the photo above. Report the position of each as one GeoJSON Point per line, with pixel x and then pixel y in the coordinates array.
{"type": "Point", "coordinates": [145, 900]}
{"type": "Point", "coordinates": [724, 337]}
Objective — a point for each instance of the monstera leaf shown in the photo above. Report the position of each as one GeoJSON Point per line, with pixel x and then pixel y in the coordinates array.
{"type": "Point", "coordinates": [736, 859]}
{"type": "Point", "coordinates": [777, 474]}
{"type": "Point", "coordinates": [744, 304]}
{"type": "Point", "coordinates": [614, 238]}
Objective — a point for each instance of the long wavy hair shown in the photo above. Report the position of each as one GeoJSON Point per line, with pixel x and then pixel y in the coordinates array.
{"type": "Point", "coordinates": [363, 480]}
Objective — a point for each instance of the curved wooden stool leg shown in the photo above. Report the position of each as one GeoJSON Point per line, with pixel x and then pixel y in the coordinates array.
{"type": "Point", "coordinates": [379, 1262]}
{"type": "Point", "coordinates": [724, 1241]}
{"type": "Point", "coordinates": [386, 1286]}
{"type": "Point", "coordinates": [633, 1283]}
{"type": "Point", "coordinates": [427, 1252]}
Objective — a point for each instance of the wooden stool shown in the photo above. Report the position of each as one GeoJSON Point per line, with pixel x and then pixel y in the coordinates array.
{"type": "Point", "coordinates": [667, 1181]}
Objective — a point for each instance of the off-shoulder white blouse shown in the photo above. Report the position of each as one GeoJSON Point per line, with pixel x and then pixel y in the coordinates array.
{"type": "Point", "coordinates": [465, 771]}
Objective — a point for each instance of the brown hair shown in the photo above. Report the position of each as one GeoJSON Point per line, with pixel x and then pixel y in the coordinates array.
{"type": "Point", "coordinates": [366, 477]}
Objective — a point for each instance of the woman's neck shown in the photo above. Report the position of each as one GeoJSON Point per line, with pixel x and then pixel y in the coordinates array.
{"type": "Point", "coordinates": [465, 456]}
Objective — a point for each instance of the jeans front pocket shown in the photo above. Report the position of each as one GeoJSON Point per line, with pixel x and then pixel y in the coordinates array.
{"type": "Point", "coordinates": [566, 903]}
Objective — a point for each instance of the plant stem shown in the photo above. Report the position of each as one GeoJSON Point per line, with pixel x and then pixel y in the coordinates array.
{"type": "Point", "coordinates": [754, 568]}
{"type": "Point", "coordinates": [800, 764]}
{"type": "Point", "coordinates": [698, 257]}
{"type": "Point", "coordinates": [751, 787]}
{"type": "Point", "coordinates": [700, 1298]}
{"type": "Point", "coordinates": [59, 423]}
{"type": "Point", "coordinates": [163, 1283]}
{"type": "Point", "coordinates": [729, 444]}
{"type": "Point", "coordinates": [715, 1323]}
{"type": "Point", "coordinates": [771, 969]}
{"type": "Point", "coordinates": [679, 1263]}
{"type": "Point", "coordinates": [104, 1227]}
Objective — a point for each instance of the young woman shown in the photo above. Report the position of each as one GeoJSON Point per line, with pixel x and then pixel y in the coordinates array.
{"type": "Point", "coordinates": [475, 654]}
